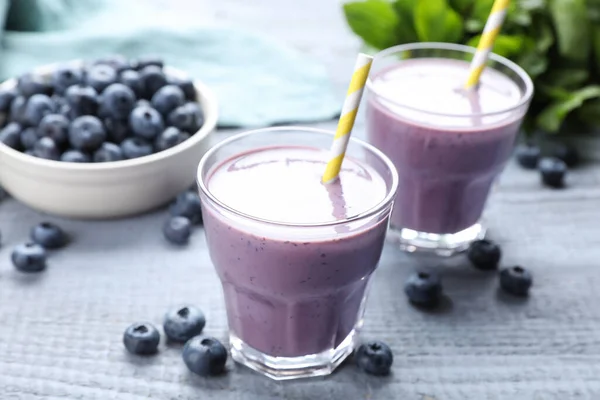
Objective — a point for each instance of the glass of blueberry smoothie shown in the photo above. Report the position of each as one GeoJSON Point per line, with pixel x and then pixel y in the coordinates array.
{"type": "Point", "coordinates": [295, 256]}
{"type": "Point", "coordinates": [449, 145]}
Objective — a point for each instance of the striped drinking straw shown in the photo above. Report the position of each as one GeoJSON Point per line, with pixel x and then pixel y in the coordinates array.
{"type": "Point", "coordinates": [486, 43]}
{"type": "Point", "coordinates": [346, 122]}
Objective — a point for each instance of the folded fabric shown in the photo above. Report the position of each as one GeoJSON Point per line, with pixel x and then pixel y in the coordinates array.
{"type": "Point", "coordinates": [258, 81]}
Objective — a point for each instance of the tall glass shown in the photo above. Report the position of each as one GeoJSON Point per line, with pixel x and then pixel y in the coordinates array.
{"type": "Point", "coordinates": [294, 293]}
{"type": "Point", "coordinates": [447, 157]}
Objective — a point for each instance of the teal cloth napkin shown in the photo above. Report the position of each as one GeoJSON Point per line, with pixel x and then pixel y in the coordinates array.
{"type": "Point", "coordinates": [258, 81]}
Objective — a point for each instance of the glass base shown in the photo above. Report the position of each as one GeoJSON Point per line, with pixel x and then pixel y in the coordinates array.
{"type": "Point", "coordinates": [284, 368]}
{"type": "Point", "coordinates": [444, 245]}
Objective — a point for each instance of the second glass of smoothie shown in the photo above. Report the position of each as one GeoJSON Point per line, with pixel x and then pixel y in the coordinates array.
{"type": "Point", "coordinates": [294, 256]}
{"type": "Point", "coordinates": [448, 145]}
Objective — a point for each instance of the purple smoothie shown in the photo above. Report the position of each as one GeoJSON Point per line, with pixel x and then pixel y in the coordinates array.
{"type": "Point", "coordinates": [300, 291]}
{"type": "Point", "coordinates": [447, 159]}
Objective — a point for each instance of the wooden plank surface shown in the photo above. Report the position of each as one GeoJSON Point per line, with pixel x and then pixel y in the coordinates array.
{"type": "Point", "coordinates": [60, 331]}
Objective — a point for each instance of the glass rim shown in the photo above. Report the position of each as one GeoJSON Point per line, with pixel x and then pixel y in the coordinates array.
{"type": "Point", "coordinates": [387, 200]}
{"type": "Point", "coordinates": [525, 98]}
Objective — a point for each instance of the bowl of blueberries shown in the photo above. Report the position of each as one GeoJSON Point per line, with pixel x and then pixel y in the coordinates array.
{"type": "Point", "coordinates": [101, 139]}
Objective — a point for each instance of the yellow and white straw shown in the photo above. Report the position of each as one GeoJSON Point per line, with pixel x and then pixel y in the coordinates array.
{"type": "Point", "coordinates": [346, 122]}
{"type": "Point", "coordinates": [486, 43]}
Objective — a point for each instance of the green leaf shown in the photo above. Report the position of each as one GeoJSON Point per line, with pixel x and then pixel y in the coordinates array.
{"type": "Point", "coordinates": [405, 10]}
{"type": "Point", "coordinates": [518, 16]}
{"type": "Point", "coordinates": [552, 117]}
{"type": "Point", "coordinates": [375, 21]}
{"type": "Point", "coordinates": [505, 45]}
{"type": "Point", "coordinates": [474, 26]}
{"type": "Point", "coordinates": [462, 6]}
{"type": "Point", "coordinates": [481, 11]}
{"type": "Point", "coordinates": [596, 46]}
{"type": "Point", "coordinates": [542, 35]}
{"type": "Point", "coordinates": [435, 21]}
{"type": "Point", "coordinates": [532, 5]}
{"type": "Point", "coordinates": [567, 78]}
{"type": "Point", "coordinates": [572, 28]}
{"type": "Point", "coordinates": [589, 113]}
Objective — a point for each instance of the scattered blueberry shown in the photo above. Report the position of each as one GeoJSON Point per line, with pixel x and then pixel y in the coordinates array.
{"type": "Point", "coordinates": [186, 85]}
{"type": "Point", "coordinates": [553, 172]}
{"type": "Point", "coordinates": [6, 98]}
{"type": "Point", "coordinates": [29, 257]}
{"type": "Point", "coordinates": [567, 154]}
{"type": "Point", "coordinates": [30, 84]}
{"type": "Point", "coordinates": [484, 254]}
{"type": "Point", "coordinates": [423, 288]}
{"type": "Point", "coordinates": [108, 152]}
{"type": "Point", "coordinates": [17, 109]}
{"type": "Point", "coordinates": [183, 323]}
{"type": "Point", "coordinates": [118, 100]}
{"type": "Point", "coordinates": [146, 122]}
{"type": "Point", "coordinates": [86, 133]}
{"type": "Point", "coordinates": [66, 76]}
{"type": "Point", "coordinates": [205, 356]}
{"type": "Point", "coordinates": [75, 156]}
{"type": "Point", "coordinates": [46, 148]}
{"type": "Point", "coordinates": [141, 338]}
{"type": "Point", "coordinates": [527, 156]}
{"type": "Point", "coordinates": [38, 106]}
{"type": "Point", "coordinates": [133, 81]}
{"type": "Point", "coordinates": [187, 204]}
{"type": "Point", "coordinates": [117, 130]}
{"type": "Point", "coordinates": [153, 78]}
{"type": "Point", "coordinates": [149, 60]}
{"type": "Point", "coordinates": [49, 235]}
{"type": "Point", "coordinates": [29, 137]}
{"type": "Point", "coordinates": [374, 358]}
{"type": "Point", "coordinates": [168, 98]}
{"type": "Point", "coordinates": [136, 147]}
{"type": "Point", "coordinates": [54, 126]}
{"type": "Point", "coordinates": [170, 137]}
{"type": "Point", "coordinates": [516, 280]}
{"type": "Point", "coordinates": [10, 135]}
{"type": "Point", "coordinates": [83, 100]}
{"type": "Point", "coordinates": [177, 230]}
{"type": "Point", "coordinates": [188, 117]}
{"type": "Point", "coordinates": [100, 77]}
{"type": "Point", "coordinates": [116, 61]}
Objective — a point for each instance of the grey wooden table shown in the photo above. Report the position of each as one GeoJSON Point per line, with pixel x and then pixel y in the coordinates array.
{"type": "Point", "coordinates": [60, 331]}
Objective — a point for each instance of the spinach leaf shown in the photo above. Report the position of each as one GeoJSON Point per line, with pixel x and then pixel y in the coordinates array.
{"type": "Point", "coordinates": [572, 28]}
{"type": "Point", "coordinates": [435, 21]}
{"type": "Point", "coordinates": [462, 6]}
{"type": "Point", "coordinates": [552, 117]}
{"type": "Point", "coordinates": [405, 10]}
{"type": "Point", "coordinates": [375, 21]}
{"type": "Point", "coordinates": [567, 78]}
{"type": "Point", "coordinates": [596, 47]}
{"type": "Point", "coordinates": [505, 45]}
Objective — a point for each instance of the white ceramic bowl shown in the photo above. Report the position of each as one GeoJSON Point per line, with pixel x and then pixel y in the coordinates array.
{"type": "Point", "coordinates": [113, 189]}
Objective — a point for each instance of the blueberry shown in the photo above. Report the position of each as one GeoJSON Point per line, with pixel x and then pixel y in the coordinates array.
{"type": "Point", "coordinates": [3, 194]}
{"type": "Point", "coordinates": [146, 122]}
{"type": "Point", "coordinates": [170, 137]}
{"type": "Point", "coordinates": [188, 117]}
{"type": "Point", "coordinates": [177, 230]}
{"type": "Point", "coordinates": [116, 130]}
{"type": "Point", "coordinates": [82, 99]}
{"type": "Point", "coordinates": [374, 358]}
{"type": "Point", "coordinates": [168, 98]}
{"type": "Point", "coordinates": [567, 154]}
{"type": "Point", "coordinates": [205, 356]}
{"type": "Point", "coordinates": [28, 138]}
{"type": "Point", "coordinates": [17, 109]}
{"type": "Point", "coordinates": [423, 289]}
{"type": "Point", "coordinates": [133, 81]}
{"type": "Point", "coordinates": [54, 126]}
{"type": "Point", "coordinates": [100, 77]}
{"type": "Point", "coordinates": [108, 152]}
{"type": "Point", "coordinates": [141, 338]}
{"type": "Point", "coordinates": [116, 61]}
{"type": "Point", "coordinates": [527, 156]}
{"type": "Point", "coordinates": [6, 98]}
{"type": "Point", "coordinates": [30, 84]}
{"type": "Point", "coordinates": [143, 103]}
{"type": "Point", "coordinates": [187, 204]}
{"type": "Point", "coordinates": [46, 148]}
{"type": "Point", "coordinates": [136, 147]}
{"type": "Point", "coordinates": [48, 235]}
{"type": "Point", "coordinates": [553, 172]}
{"type": "Point", "coordinates": [86, 133]}
{"type": "Point", "coordinates": [186, 85]}
{"type": "Point", "coordinates": [75, 156]}
{"type": "Point", "coordinates": [10, 135]}
{"type": "Point", "coordinates": [153, 78]}
{"type": "Point", "coordinates": [516, 280]}
{"type": "Point", "coordinates": [29, 257]}
{"type": "Point", "coordinates": [183, 323]}
{"type": "Point", "coordinates": [66, 76]}
{"type": "Point", "coordinates": [484, 254]}
{"type": "Point", "coordinates": [149, 60]}
{"type": "Point", "coordinates": [38, 106]}
{"type": "Point", "coordinates": [118, 100]}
